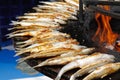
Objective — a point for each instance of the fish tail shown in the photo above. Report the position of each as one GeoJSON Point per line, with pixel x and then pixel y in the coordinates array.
{"type": "Point", "coordinates": [22, 59]}
{"type": "Point", "coordinates": [24, 45]}
{"type": "Point", "coordinates": [21, 52]}
{"type": "Point", "coordinates": [10, 35]}
{"type": "Point", "coordinates": [40, 65]}
{"type": "Point", "coordinates": [18, 43]}
{"type": "Point", "coordinates": [11, 28]}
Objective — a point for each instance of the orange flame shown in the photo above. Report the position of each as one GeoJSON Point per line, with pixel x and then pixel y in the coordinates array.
{"type": "Point", "coordinates": [104, 33]}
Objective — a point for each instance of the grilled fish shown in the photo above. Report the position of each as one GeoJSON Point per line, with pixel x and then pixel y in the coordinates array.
{"type": "Point", "coordinates": [45, 54]}
{"type": "Point", "coordinates": [91, 67]}
{"type": "Point", "coordinates": [84, 51]}
{"type": "Point", "coordinates": [71, 44]}
{"type": "Point", "coordinates": [103, 71]}
{"type": "Point", "coordinates": [59, 60]}
{"type": "Point", "coordinates": [80, 63]}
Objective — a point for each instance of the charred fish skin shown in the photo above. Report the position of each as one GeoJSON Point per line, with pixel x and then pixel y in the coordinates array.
{"type": "Point", "coordinates": [80, 63]}
{"type": "Point", "coordinates": [103, 71]}
{"type": "Point", "coordinates": [90, 67]}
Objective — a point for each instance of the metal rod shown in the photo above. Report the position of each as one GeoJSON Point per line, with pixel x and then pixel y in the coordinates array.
{"type": "Point", "coordinates": [95, 2]}
{"type": "Point", "coordinates": [108, 13]}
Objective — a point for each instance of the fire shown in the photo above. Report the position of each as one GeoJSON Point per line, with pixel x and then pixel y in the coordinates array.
{"type": "Point", "coordinates": [104, 33]}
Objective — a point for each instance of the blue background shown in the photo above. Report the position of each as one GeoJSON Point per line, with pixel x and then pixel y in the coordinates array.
{"type": "Point", "coordinates": [8, 64]}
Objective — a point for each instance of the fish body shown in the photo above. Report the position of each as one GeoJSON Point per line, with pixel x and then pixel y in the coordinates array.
{"type": "Point", "coordinates": [54, 14]}
{"type": "Point", "coordinates": [80, 63]}
{"type": "Point", "coordinates": [26, 33]}
{"type": "Point", "coordinates": [70, 44]}
{"type": "Point", "coordinates": [103, 71]}
{"type": "Point", "coordinates": [29, 23]}
{"type": "Point", "coordinates": [26, 17]}
{"type": "Point", "coordinates": [55, 42]}
{"type": "Point", "coordinates": [45, 39]}
{"type": "Point", "coordinates": [91, 67]}
{"type": "Point", "coordinates": [47, 19]}
{"type": "Point", "coordinates": [59, 60]}
{"type": "Point", "coordinates": [59, 8]}
{"type": "Point", "coordinates": [42, 42]}
{"type": "Point", "coordinates": [84, 51]}
{"type": "Point", "coordinates": [73, 2]}
{"type": "Point", "coordinates": [64, 4]}
{"type": "Point", "coordinates": [45, 54]}
{"type": "Point", "coordinates": [39, 32]}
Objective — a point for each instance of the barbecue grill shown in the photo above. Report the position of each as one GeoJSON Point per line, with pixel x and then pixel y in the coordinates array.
{"type": "Point", "coordinates": [82, 31]}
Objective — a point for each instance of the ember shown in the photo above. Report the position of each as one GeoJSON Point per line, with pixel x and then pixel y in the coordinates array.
{"type": "Point", "coordinates": [117, 47]}
{"type": "Point", "coordinates": [104, 34]}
